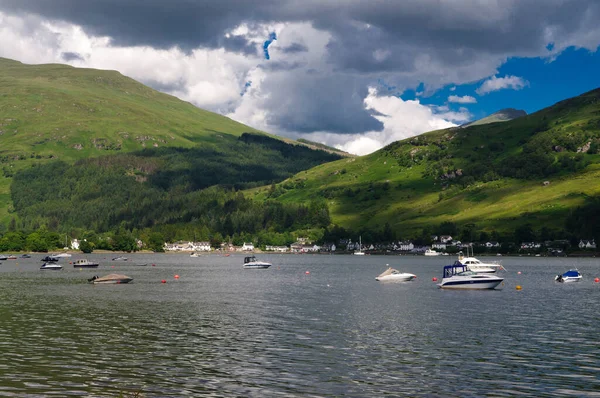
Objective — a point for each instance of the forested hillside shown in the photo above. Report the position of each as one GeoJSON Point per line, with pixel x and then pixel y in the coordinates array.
{"type": "Point", "coordinates": [534, 171]}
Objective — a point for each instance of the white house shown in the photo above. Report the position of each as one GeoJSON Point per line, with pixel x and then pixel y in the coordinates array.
{"type": "Point", "coordinates": [279, 249]}
{"type": "Point", "coordinates": [75, 244]}
{"type": "Point", "coordinates": [406, 246]}
{"type": "Point", "coordinates": [438, 245]}
{"type": "Point", "coordinates": [201, 246]}
{"type": "Point", "coordinates": [587, 244]}
{"type": "Point", "coordinates": [492, 244]}
{"type": "Point", "coordinates": [445, 238]}
{"type": "Point", "coordinates": [248, 246]}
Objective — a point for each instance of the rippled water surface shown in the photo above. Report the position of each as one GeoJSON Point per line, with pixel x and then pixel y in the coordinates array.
{"type": "Point", "coordinates": [224, 331]}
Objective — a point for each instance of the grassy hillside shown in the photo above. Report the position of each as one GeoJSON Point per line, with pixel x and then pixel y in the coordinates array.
{"type": "Point", "coordinates": [54, 113]}
{"type": "Point", "coordinates": [502, 115]}
{"type": "Point", "coordinates": [487, 177]}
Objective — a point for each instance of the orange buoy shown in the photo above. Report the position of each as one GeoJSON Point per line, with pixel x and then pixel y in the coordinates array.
{"type": "Point", "coordinates": [434, 279]}
{"type": "Point", "coordinates": [518, 287]}
{"type": "Point", "coordinates": [176, 276]}
{"type": "Point", "coordinates": [163, 281]}
{"type": "Point", "coordinates": [519, 273]}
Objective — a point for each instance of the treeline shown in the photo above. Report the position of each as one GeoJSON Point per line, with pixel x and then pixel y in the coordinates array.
{"type": "Point", "coordinates": [168, 186]}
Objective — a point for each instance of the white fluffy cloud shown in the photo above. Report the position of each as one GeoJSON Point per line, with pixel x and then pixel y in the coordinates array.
{"type": "Point", "coordinates": [465, 99]}
{"type": "Point", "coordinates": [499, 83]}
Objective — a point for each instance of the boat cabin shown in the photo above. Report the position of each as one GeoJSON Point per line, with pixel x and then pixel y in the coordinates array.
{"type": "Point", "coordinates": [454, 269]}
{"type": "Point", "coordinates": [250, 259]}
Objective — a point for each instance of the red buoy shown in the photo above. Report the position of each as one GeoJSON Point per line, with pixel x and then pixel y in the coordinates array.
{"type": "Point", "coordinates": [176, 276]}
{"type": "Point", "coordinates": [163, 281]}
{"type": "Point", "coordinates": [597, 280]}
{"type": "Point", "coordinates": [434, 279]}
{"type": "Point", "coordinates": [307, 272]}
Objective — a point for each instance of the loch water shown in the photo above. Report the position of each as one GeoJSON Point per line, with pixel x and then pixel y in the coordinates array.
{"type": "Point", "coordinates": [311, 325]}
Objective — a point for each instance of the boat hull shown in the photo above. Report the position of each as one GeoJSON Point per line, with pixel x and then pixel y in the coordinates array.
{"type": "Point", "coordinates": [396, 278]}
{"type": "Point", "coordinates": [471, 284]}
{"type": "Point", "coordinates": [256, 266]}
{"type": "Point", "coordinates": [113, 282]}
{"type": "Point", "coordinates": [51, 268]}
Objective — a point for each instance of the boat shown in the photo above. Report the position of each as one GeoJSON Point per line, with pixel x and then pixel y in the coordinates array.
{"type": "Point", "coordinates": [51, 266]}
{"type": "Point", "coordinates": [252, 262]}
{"type": "Point", "coordinates": [84, 263]}
{"type": "Point", "coordinates": [142, 265]}
{"type": "Point", "coordinates": [359, 252]}
{"type": "Point", "coordinates": [50, 259]}
{"type": "Point", "coordinates": [120, 258]}
{"type": "Point", "coordinates": [110, 279]}
{"type": "Point", "coordinates": [392, 274]}
{"type": "Point", "coordinates": [25, 256]}
{"type": "Point", "coordinates": [11, 257]}
{"type": "Point", "coordinates": [572, 275]}
{"type": "Point", "coordinates": [458, 276]}
{"type": "Point", "coordinates": [430, 252]}
{"type": "Point", "coordinates": [195, 255]}
{"type": "Point", "coordinates": [477, 266]}
{"type": "Point", "coordinates": [61, 255]}
{"type": "Point", "coordinates": [3, 257]}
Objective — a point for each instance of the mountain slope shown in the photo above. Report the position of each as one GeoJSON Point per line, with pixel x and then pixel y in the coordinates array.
{"type": "Point", "coordinates": [502, 115]}
{"type": "Point", "coordinates": [487, 177]}
{"type": "Point", "coordinates": [52, 113]}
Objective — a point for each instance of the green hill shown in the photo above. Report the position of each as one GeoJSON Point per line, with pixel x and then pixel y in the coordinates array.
{"type": "Point", "coordinates": [494, 177]}
{"type": "Point", "coordinates": [502, 115]}
{"type": "Point", "coordinates": [71, 135]}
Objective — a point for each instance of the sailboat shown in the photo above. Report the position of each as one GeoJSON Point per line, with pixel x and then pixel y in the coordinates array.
{"type": "Point", "coordinates": [359, 252]}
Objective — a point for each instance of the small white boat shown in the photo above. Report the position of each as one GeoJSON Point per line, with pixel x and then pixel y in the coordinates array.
{"type": "Point", "coordinates": [392, 274]}
{"type": "Point", "coordinates": [84, 263]}
{"type": "Point", "coordinates": [120, 258]}
{"type": "Point", "coordinates": [359, 252]}
{"type": "Point", "coordinates": [194, 255]}
{"type": "Point", "coordinates": [51, 266]}
{"type": "Point", "coordinates": [572, 275]}
{"type": "Point", "coordinates": [61, 255]}
{"type": "Point", "coordinates": [458, 276]}
{"type": "Point", "coordinates": [480, 267]}
{"type": "Point", "coordinates": [110, 279]}
{"type": "Point", "coordinates": [430, 252]}
{"type": "Point", "coordinates": [252, 262]}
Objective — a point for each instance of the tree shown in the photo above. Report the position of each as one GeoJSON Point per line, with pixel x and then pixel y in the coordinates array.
{"type": "Point", "coordinates": [86, 246]}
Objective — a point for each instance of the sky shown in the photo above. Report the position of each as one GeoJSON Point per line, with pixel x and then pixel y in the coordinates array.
{"type": "Point", "coordinates": [353, 74]}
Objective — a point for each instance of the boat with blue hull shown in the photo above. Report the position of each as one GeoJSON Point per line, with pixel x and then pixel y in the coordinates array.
{"type": "Point", "coordinates": [458, 276]}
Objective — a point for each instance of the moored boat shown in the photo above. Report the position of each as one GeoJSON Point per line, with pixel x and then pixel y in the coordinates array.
{"type": "Point", "coordinates": [478, 266]}
{"type": "Point", "coordinates": [194, 254]}
{"type": "Point", "coordinates": [50, 259]}
{"type": "Point", "coordinates": [392, 274]}
{"type": "Point", "coordinates": [572, 275]}
{"type": "Point", "coordinates": [51, 266]}
{"type": "Point", "coordinates": [120, 258]}
{"type": "Point", "coordinates": [430, 252]}
{"type": "Point", "coordinates": [458, 276]}
{"type": "Point", "coordinates": [61, 255]}
{"type": "Point", "coordinates": [252, 262]}
{"type": "Point", "coordinates": [110, 279]}
{"type": "Point", "coordinates": [85, 263]}
{"type": "Point", "coordinates": [3, 257]}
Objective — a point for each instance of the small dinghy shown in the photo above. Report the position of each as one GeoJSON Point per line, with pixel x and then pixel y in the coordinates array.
{"type": "Point", "coordinates": [392, 274]}
{"type": "Point", "coordinates": [110, 279]}
{"type": "Point", "coordinates": [572, 275]}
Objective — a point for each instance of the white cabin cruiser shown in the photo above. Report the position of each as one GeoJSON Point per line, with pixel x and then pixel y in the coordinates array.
{"type": "Point", "coordinates": [458, 276]}
{"type": "Point", "coordinates": [476, 265]}
{"type": "Point", "coordinates": [51, 266]}
{"type": "Point", "coordinates": [61, 255]}
{"type": "Point", "coordinates": [572, 275]}
{"type": "Point", "coordinates": [392, 274]}
{"type": "Point", "coordinates": [110, 279]}
{"type": "Point", "coordinates": [85, 263]}
{"type": "Point", "coordinates": [252, 262]}
{"type": "Point", "coordinates": [430, 252]}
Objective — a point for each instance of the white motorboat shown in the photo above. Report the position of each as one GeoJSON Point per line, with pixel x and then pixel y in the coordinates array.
{"type": "Point", "coordinates": [252, 262]}
{"type": "Point", "coordinates": [480, 267]}
{"type": "Point", "coordinates": [61, 255]}
{"type": "Point", "coordinates": [392, 274]}
{"type": "Point", "coordinates": [84, 263]}
{"type": "Point", "coordinates": [458, 276]}
{"type": "Point", "coordinates": [120, 258]}
{"type": "Point", "coordinates": [430, 252]}
{"type": "Point", "coordinates": [110, 279]}
{"type": "Point", "coordinates": [51, 266]}
{"type": "Point", "coordinates": [195, 254]}
{"type": "Point", "coordinates": [572, 275]}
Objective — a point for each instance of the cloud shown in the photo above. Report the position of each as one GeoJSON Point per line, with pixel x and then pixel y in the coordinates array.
{"type": "Point", "coordinates": [499, 83]}
{"type": "Point", "coordinates": [326, 56]}
{"type": "Point", "coordinates": [465, 99]}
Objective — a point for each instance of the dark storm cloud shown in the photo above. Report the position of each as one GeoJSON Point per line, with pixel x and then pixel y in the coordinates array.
{"type": "Point", "coordinates": [71, 56]}
{"type": "Point", "coordinates": [294, 48]}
